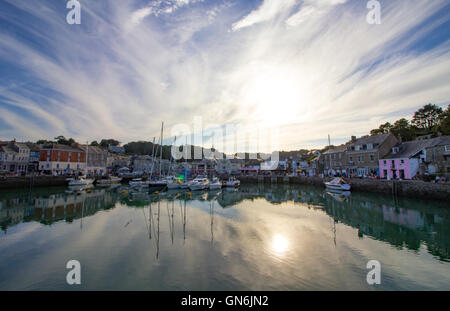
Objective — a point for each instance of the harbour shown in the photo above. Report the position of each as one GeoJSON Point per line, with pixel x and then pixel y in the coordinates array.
{"type": "Point", "coordinates": [256, 237]}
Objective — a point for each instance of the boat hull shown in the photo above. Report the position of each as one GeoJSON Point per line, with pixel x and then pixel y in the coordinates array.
{"type": "Point", "coordinates": [232, 184]}
{"type": "Point", "coordinates": [173, 186]}
{"type": "Point", "coordinates": [215, 186]}
{"type": "Point", "coordinates": [344, 187]}
{"type": "Point", "coordinates": [157, 188]}
{"type": "Point", "coordinates": [77, 183]}
{"type": "Point", "coordinates": [198, 187]}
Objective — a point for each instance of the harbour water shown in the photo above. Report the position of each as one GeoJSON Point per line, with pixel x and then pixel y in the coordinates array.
{"type": "Point", "coordinates": [259, 237]}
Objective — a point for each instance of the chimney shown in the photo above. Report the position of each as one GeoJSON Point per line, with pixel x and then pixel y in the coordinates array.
{"type": "Point", "coordinates": [353, 139]}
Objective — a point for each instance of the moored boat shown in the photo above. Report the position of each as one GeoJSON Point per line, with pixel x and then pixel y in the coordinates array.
{"type": "Point", "coordinates": [138, 182]}
{"type": "Point", "coordinates": [199, 183]}
{"type": "Point", "coordinates": [109, 181]}
{"type": "Point", "coordinates": [338, 184]}
{"type": "Point", "coordinates": [82, 181]}
{"type": "Point", "coordinates": [173, 183]}
{"type": "Point", "coordinates": [232, 182]}
{"type": "Point", "coordinates": [215, 184]}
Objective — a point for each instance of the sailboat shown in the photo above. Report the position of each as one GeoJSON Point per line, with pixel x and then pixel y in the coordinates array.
{"type": "Point", "coordinates": [160, 184]}
{"type": "Point", "coordinates": [83, 180]}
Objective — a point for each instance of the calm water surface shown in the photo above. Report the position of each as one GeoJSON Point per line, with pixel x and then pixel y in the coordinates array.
{"type": "Point", "coordinates": [260, 237]}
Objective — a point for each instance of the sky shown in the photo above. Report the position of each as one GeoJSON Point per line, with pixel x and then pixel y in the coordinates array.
{"type": "Point", "coordinates": [306, 69]}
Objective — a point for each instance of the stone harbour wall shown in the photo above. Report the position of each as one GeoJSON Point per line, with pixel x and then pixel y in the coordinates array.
{"type": "Point", "coordinates": [31, 182]}
{"type": "Point", "coordinates": [409, 188]}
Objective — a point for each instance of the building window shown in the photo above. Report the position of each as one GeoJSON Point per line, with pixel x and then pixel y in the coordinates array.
{"type": "Point", "coordinates": [402, 161]}
{"type": "Point", "coordinates": [384, 162]}
{"type": "Point", "coordinates": [372, 158]}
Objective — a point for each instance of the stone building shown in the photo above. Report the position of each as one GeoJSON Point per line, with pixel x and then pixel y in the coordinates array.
{"type": "Point", "coordinates": [14, 157]}
{"type": "Point", "coordinates": [334, 160]}
{"type": "Point", "coordinates": [363, 154]}
{"type": "Point", "coordinates": [437, 156]}
{"type": "Point", "coordinates": [97, 159]}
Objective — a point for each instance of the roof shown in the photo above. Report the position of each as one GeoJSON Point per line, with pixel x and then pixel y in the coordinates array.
{"type": "Point", "coordinates": [375, 139]}
{"type": "Point", "coordinates": [442, 140]}
{"type": "Point", "coordinates": [93, 149]}
{"type": "Point", "coordinates": [7, 149]}
{"type": "Point", "coordinates": [21, 145]}
{"type": "Point", "coordinates": [411, 148]}
{"type": "Point", "coordinates": [336, 149]}
{"type": "Point", "coordinates": [61, 147]}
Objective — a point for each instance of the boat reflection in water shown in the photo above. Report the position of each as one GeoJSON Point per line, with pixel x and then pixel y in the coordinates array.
{"type": "Point", "coordinates": [257, 237]}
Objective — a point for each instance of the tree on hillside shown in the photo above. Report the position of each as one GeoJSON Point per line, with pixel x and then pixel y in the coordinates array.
{"type": "Point", "coordinates": [94, 143]}
{"type": "Point", "coordinates": [383, 129]}
{"type": "Point", "coordinates": [109, 142]}
{"type": "Point", "coordinates": [444, 122]}
{"type": "Point", "coordinates": [403, 130]}
{"type": "Point", "coordinates": [43, 142]}
{"type": "Point", "coordinates": [427, 118]}
{"type": "Point", "coordinates": [63, 141]}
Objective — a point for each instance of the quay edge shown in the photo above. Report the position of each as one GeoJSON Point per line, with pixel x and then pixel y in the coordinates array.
{"type": "Point", "coordinates": [409, 188]}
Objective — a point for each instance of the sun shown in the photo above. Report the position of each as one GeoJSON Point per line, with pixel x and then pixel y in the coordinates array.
{"type": "Point", "coordinates": [276, 96]}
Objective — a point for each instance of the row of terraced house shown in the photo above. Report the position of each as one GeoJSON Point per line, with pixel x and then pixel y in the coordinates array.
{"type": "Point", "coordinates": [385, 156]}
{"type": "Point", "coordinates": [18, 158]}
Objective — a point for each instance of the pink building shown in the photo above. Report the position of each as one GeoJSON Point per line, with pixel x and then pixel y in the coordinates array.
{"type": "Point", "coordinates": [400, 168]}
{"type": "Point", "coordinates": [405, 159]}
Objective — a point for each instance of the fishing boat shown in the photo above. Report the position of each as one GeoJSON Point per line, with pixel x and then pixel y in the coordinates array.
{"type": "Point", "coordinates": [215, 184]}
{"type": "Point", "coordinates": [184, 185]}
{"type": "Point", "coordinates": [159, 184]}
{"type": "Point", "coordinates": [109, 181]}
{"type": "Point", "coordinates": [138, 182]}
{"type": "Point", "coordinates": [199, 183]}
{"type": "Point", "coordinates": [82, 181]}
{"type": "Point", "coordinates": [338, 184]}
{"type": "Point", "coordinates": [232, 182]}
{"type": "Point", "coordinates": [173, 183]}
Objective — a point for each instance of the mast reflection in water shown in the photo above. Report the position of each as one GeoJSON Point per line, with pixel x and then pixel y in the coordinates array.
{"type": "Point", "coordinates": [259, 237]}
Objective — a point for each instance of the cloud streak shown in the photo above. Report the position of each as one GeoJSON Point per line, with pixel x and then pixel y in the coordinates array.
{"type": "Point", "coordinates": [311, 68]}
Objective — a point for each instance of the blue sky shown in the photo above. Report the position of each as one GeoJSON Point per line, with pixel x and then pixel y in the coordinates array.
{"type": "Point", "coordinates": [308, 68]}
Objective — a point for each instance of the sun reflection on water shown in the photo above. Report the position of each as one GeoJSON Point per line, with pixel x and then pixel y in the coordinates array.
{"type": "Point", "coordinates": [280, 244]}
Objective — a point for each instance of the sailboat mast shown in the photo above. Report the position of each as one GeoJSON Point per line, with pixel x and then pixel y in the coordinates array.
{"type": "Point", "coordinates": [87, 155]}
{"type": "Point", "coordinates": [153, 158]}
{"type": "Point", "coordinates": [171, 158]}
{"type": "Point", "coordinates": [161, 150]}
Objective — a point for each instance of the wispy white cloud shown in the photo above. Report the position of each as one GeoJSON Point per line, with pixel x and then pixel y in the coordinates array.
{"type": "Point", "coordinates": [268, 10]}
{"type": "Point", "coordinates": [311, 68]}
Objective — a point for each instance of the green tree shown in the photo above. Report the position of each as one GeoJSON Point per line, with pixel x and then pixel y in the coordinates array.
{"type": "Point", "coordinates": [383, 129]}
{"type": "Point", "coordinates": [427, 118]}
{"type": "Point", "coordinates": [63, 141]}
{"type": "Point", "coordinates": [403, 129]}
{"type": "Point", "coordinates": [94, 143]}
{"type": "Point", "coordinates": [444, 122]}
{"type": "Point", "coordinates": [109, 142]}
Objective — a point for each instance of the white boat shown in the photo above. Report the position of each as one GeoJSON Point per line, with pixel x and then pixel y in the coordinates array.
{"type": "Point", "coordinates": [82, 181]}
{"type": "Point", "coordinates": [173, 183]}
{"type": "Point", "coordinates": [232, 182]}
{"type": "Point", "coordinates": [185, 185]}
{"type": "Point", "coordinates": [199, 183]}
{"type": "Point", "coordinates": [215, 184]}
{"type": "Point", "coordinates": [137, 182]}
{"type": "Point", "coordinates": [79, 188]}
{"type": "Point", "coordinates": [108, 182]}
{"type": "Point", "coordinates": [338, 184]}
